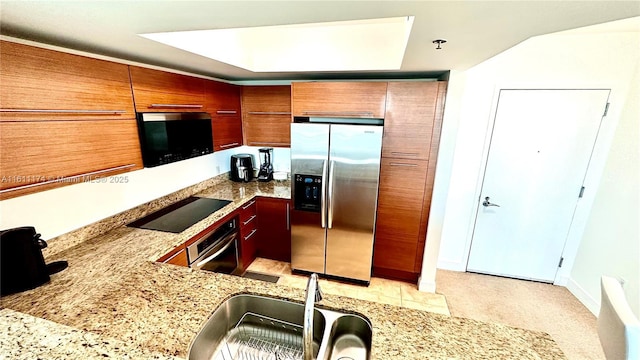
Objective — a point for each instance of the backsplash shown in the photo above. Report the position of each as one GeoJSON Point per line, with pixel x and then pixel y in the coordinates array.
{"type": "Point", "coordinates": [75, 237]}
{"type": "Point", "coordinates": [66, 212]}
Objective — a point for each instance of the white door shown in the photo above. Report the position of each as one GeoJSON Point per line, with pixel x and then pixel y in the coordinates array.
{"type": "Point", "coordinates": [540, 149]}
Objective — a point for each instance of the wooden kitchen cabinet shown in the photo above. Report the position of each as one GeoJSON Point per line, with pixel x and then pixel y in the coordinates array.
{"type": "Point", "coordinates": [339, 99]}
{"type": "Point", "coordinates": [407, 174]}
{"type": "Point", "coordinates": [65, 119]}
{"type": "Point", "coordinates": [274, 229]}
{"type": "Point", "coordinates": [161, 91]}
{"type": "Point", "coordinates": [266, 115]}
{"type": "Point", "coordinates": [43, 85]}
{"type": "Point", "coordinates": [53, 152]}
{"type": "Point", "coordinates": [399, 213]}
{"type": "Point", "coordinates": [177, 256]}
{"type": "Point", "coordinates": [223, 102]}
{"type": "Point", "coordinates": [248, 233]}
{"type": "Point", "coordinates": [408, 122]}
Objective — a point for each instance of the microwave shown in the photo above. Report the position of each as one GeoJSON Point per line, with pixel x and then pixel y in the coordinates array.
{"type": "Point", "coordinates": [171, 137]}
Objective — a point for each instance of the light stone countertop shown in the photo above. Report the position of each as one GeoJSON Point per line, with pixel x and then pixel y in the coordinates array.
{"type": "Point", "coordinates": [112, 291]}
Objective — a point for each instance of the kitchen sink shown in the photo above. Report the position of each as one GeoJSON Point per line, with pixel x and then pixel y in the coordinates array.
{"type": "Point", "coordinates": [260, 327]}
{"type": "Point", "coordinates": [350, 338]}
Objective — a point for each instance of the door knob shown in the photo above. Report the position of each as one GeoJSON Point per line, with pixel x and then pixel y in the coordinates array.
{"type": "Point", "coordinates": [487, 203]}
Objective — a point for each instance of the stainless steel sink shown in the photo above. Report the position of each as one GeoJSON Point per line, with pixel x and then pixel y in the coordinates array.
{"type": "Point", "coordinates": [350, 338]}
{"type": "Point", "coordinates": [260, 327]}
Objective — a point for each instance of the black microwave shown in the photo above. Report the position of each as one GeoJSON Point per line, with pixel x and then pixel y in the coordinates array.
{"type": "Point", "coordinates": [170, 137]}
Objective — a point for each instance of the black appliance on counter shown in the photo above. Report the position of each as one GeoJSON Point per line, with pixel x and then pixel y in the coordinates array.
{"type": "Point", "coordinates": [171, 137]}
{"type": "Point", "coordinates": [241, 168]}
{"type": "Point", "coordinates": [266, 164]}
{"type": "Point", "coordinates": [22, 265]}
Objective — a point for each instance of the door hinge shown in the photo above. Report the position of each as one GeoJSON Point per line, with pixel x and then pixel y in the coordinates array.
{"type": "Point", "coordinates": [581, 192]}
{"type": "Point", "coordinates": [606, 109]}
{"type": "Point", "coordinates": [561, 261]}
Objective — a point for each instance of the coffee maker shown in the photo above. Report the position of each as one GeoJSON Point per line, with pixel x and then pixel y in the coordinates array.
{"type": "Point", "coordinates": [266, 166]}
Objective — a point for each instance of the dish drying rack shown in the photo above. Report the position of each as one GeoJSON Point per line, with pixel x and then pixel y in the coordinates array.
{"type": "Point", "coordinates": [258, 337]}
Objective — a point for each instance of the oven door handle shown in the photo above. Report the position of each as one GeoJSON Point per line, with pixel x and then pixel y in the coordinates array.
{"type": "Point", "coordinates": [229, 239]}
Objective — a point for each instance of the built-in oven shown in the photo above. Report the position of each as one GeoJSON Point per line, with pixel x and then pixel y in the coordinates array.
{"type": "Point", "coordinates": [216, 250]}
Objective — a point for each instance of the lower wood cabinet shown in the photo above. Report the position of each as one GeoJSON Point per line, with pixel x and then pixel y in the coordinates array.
{"type": "Point", "coordinates": [177, 256]}
{"type": "Point", "coordinates": [400, 202]}
{"type": "Point", "coordinates": [274, 228]}
{"type": "Point", "coordinates": [247, 243]}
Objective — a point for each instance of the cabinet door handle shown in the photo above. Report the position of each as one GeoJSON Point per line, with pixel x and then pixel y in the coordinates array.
{"type": "Point", "coordinates": [248, 205]}
{"type": "Point", "coordinates": [262, 143]}
{"type": "Point", "coordinates": [249, 220]}
{"type": "Point", "coordinates": [250, 234]}
{"type": "Point", "coordinates": [66, 111]}
{"type": "Point", "coordinates": [226, 112]}
{"type": "Point", "coordinates": [269, 112]}
{"type": "Point", "coordinates": [403, 164]}
{"type": "Point", "coordinates": [70, 179]}
{"type": "Point", "coordinates": [178, 106]}
{"type": "Point", "coordinates": [229, 145]}
{"type": "Point", "coordinates": [340, 113]}
{"type": "Point", "coordinates": [288, 218]}
{"type": "Point", "coordinates": [405, 153]}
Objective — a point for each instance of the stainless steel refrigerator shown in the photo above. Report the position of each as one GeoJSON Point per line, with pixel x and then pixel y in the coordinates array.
{"type": "Point", "coordinates": [335, 172]}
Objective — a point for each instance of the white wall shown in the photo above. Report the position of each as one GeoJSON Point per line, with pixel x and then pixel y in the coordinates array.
{"type": "Point", "coordinates": [563, 60]}
{"type": "Point", "coordinates": [611, 241]}
{"type": "Point", "coordinates": [58, 211]}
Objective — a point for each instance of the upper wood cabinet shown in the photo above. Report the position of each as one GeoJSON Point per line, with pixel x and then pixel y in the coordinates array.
{"type": "Point", "coordinates": [222, 101]}
{"type": "Point", "coordinates": [55, 153]}
{"type": "Point", "coordinates": [161, 91]}
{"type": "Point", "coordinates": [339, 99]}
{"type": "Point", "coordinates": [266, 115]}
{"type": "Point", "coordinates": [408, 122]}
{"type": "Point", "coordinates": [65, 119]}
{"type": "Point", "coordinates": [39, 84]}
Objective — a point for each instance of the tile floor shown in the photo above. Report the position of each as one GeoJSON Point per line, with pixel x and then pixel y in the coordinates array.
{"type": "Point", "coordinates": [379, 290]}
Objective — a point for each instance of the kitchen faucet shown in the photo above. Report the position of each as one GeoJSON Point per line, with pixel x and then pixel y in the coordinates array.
{"type": "Point", "coordinates": [314, 295]}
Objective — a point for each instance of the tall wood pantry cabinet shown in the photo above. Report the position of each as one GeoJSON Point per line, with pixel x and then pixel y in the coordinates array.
{"type": "Point", "coordinates": [413, 121]}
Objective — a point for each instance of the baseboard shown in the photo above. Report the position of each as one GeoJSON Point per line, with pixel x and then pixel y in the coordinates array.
{"type": "Point", "coordinates": [451, 265]}
{"type": "Point", "coordinates": [426, 285]}
{"type": "Point", "coordinates": [583, 296]}
{"type": "Point", "coordinates": [395, 274]}
{"type": "Point", "coordinates": [561, 280]}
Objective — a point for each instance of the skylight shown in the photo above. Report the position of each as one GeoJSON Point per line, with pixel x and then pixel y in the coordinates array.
{"type": "Point", "coordinates": [357, 45]}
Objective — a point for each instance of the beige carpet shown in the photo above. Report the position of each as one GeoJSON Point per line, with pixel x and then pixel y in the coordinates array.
{"type": "Point", "coordinates": [524, 304]}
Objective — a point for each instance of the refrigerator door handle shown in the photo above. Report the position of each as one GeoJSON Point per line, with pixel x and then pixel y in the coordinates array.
{"type": "Point", "coordinates": [323, 200]}
{"type": "Point", "coordinates": [330, 195]}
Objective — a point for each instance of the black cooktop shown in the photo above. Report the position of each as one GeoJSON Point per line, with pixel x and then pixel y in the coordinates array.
{"type": "Point", "coordinates": [178, 217]}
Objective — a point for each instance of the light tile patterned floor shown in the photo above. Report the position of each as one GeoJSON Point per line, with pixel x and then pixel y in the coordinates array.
{"type": "Point", "coordinates": [379, 290]}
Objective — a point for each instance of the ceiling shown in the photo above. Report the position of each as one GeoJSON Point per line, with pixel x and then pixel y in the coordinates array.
{"type": "Point", "coordinates": [474, 30]}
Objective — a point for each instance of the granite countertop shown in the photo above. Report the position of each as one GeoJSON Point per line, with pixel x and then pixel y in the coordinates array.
{"type": "Point", "coordinates": [114, 300]}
